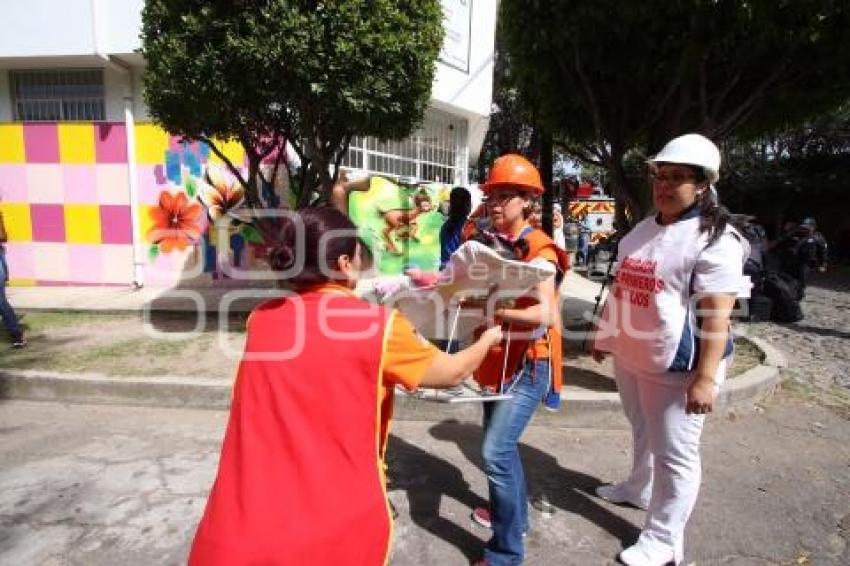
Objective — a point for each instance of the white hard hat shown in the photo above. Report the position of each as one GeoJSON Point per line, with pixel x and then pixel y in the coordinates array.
{"type": "Point", "coordinates": [692, 149]}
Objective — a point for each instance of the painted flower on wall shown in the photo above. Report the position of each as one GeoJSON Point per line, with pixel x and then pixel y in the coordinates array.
{"type": "Point", "coordinates": [176, 222]}
{"type": "Point", "coordinates": [223, 196]}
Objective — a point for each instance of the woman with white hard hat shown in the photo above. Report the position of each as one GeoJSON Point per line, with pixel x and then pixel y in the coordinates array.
{"type": "Point", "coordinates": [666, 324]}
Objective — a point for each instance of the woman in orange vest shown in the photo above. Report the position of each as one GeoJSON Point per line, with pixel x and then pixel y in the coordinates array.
{"type": "Point", "coordinates": [311, 408]}
{"type": "Point", "coordinates": [532, 362]}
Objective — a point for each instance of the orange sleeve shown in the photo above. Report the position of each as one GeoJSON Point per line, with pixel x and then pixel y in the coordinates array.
{"type": "Point", "coordinates": [408, 355]}
{"type": "Point", "coordinates": [548, 254]}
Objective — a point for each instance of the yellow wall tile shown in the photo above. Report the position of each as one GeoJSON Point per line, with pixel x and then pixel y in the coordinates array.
{"type": "Point", "coordinates": [82, 223]}
{"type": "Point", "coordinates": [151, 144]}
{"type": "Point", "coordinates": [12, 143]}
{"type": "Point", "coordinates": [76, 143]}
{"type": "Point", "coordinates": [18, 221]}
{"type": "Point", "coordinates": [232, 150]}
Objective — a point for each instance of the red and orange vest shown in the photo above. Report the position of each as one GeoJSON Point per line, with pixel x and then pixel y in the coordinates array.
{"type": "Point", "coordinates": [300, 480]}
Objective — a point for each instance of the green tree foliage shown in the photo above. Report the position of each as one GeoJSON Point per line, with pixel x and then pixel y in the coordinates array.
{"type": "Point", "coordinates": [615, 80]}
{"type": "Point", "coordinates": [511, 128]}
{"type": "Point", "coordinates": [314, 73]}
{"type": "Point", "coordinates": [793, 173]}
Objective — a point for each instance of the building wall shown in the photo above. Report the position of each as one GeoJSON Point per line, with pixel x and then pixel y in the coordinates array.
{"type": "Point", "coordinates": [54, 28]}
{"type": "Point", "coordinates": [65, 197]}
{"type": "Point", "coordinates": [39, 28]}
{"type": "Point", "coordinates": [469, 91]}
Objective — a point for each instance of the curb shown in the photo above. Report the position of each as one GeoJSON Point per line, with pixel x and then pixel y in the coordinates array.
{"type": "Point", "coordinates": [99, 389]}
{"type": "Point", "coordinates": [581, 407]}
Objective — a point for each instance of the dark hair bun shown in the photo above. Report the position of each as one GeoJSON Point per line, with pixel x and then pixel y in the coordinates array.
{"type": "Point", "coordinates": [281, 258]}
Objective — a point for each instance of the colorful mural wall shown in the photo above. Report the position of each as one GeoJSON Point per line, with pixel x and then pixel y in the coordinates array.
{"type": "Point", "coordinates": [401, 224]}
{"type": "Point", "coordinates": [65, 198]}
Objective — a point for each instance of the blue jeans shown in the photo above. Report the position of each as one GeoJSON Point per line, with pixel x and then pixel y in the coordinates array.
{"type": "Point", "coordinates": [504, 422]}
{"type": "Point", "coordinates": [10, 321]}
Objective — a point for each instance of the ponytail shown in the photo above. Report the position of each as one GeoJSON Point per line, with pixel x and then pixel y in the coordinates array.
{"type": "Point", "coordinates": [713, 216]}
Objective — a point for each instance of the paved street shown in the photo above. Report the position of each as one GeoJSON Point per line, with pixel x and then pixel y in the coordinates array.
{"type": "Point", "coordinates": [107, 485]}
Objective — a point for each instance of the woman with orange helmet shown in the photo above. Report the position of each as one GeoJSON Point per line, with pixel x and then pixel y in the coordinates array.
{"type": "Point", "coordinates": [532, 362]}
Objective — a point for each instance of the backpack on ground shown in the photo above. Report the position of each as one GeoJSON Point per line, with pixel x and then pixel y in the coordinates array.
{"type": "Point", "coordinates": [783, 290]}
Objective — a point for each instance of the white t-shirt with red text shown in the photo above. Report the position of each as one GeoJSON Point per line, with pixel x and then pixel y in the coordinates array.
{"type": "Point", "coordinates": [649, 320]}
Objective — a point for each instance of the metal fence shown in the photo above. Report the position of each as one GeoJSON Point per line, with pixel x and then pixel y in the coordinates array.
{"type": "Point", "coordinates": [58, 95]}
{"type": "Point", "coordinates": [436, 152]}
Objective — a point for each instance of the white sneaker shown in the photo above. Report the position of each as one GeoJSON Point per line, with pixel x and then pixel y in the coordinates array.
{"type": "Point", "coordinates": [619, 493]}
{"type": "Point", "coordinates": [649, 553]}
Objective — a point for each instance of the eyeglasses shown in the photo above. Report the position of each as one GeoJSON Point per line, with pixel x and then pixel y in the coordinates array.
{"type": "Point", "coordinates": [499, 198]}
{"type": "Point", "coordinates": [670, 179]}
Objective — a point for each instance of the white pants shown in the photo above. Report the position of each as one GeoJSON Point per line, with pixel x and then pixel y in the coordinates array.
{"type": "Point", "coordinates": [666, 462]}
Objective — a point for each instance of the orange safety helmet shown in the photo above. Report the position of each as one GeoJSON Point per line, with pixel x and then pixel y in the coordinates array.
{"type": "Point", "coordinates": [512, 170]}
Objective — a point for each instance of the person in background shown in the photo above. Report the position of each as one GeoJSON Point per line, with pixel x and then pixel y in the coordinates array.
{"type": "Point", "coordinates": [801, 249]}
{"type": "Point", "coordinates": [558, 227]}
{"type": "Point", "coordinates": [842, 241]}
{"type": "Point", "coordinates": [812, 251]}
{"type": "Point", "coordinates": [583, 251]}
{"type": "Point", "coordinates": [7, 313]}
{"type": "Point", "coordinates": [669, 363]}
{"type": "Point", "coordinates": [757, 238]}
{"type": "Point", "coordinates": [451, 232]}
{"type": "Point", "coordinates": [301, 477]}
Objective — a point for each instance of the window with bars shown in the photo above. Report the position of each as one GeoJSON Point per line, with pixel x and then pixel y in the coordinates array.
{"type": "Point", "coordinates": [57, 95]}
{"type": "Point", "coordinates": [436, 152]}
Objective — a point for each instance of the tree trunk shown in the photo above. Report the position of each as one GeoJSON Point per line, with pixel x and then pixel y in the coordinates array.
{"type": "Point", "coordinates": [309, 180]}
{"type": "Point", "coordinates": [253, 191]}
{"type": "Point", "coordinates": [546, 158]}
{"type": "Point", "coordinates": [634, 200]}
{"type": "Point", "coordinates": [325, 179]}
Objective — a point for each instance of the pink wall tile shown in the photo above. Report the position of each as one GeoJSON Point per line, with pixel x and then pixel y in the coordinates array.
{"type": "Point", "coordinates": [149, 185]}
{"type": "Point", "coordinates": [13, 183]}
{"type": "Point", "coordinates": [111, 183]}
{"type": "Point", "coordinates": [85, 263]}
{"type": "Point", "coordinates": [80, 184]}
{"type": "Point", "coordinates": [115, 225]}
{"type": "Point", "coordinates": [51, 261]}
{"type": "Point", "coordinates": [21, 260]}
{"type": "Point", "coordinates": [48, 222]}
{"type": "Point", "coordinates": [162, 271]}
{"type": "Point", "coordinates": [45, 183]}
{"type": "Point", "coordinates": [117, 264]}
{"type": "Point", "coordinates": [110, 142]}
{"type": "Point", "coordinates": [42, 143]}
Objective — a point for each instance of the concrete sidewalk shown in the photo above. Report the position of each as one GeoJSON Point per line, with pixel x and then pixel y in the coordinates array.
{"type": "Point", "coordinates": [101, 485]}
{"type": "Point", "coordinates": [579, 295]}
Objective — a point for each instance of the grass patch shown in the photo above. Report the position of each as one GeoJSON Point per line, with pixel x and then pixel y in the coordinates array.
{"type": "Point", "coordinates": [834, 398]}
{"type": "Point", "coordinates": [42, 321]}
{"type": "Point", "coordinates": [747, 356]}
{"type": "Point", "coordinates": [117, 345]}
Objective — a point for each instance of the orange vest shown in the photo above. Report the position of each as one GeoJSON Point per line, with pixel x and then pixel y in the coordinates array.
{"type": "Point", "coordinates": [300, 478]}
{"type": "Point", "coordinates": [490, 372]}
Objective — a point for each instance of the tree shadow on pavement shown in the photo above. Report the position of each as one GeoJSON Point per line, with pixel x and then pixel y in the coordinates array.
{"type": "Point", "coordinates": [565, 489]}
{"type": "Point", "coordinates": [427, 479]}
{"type": "Point", "coordinates": [829, 332]}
